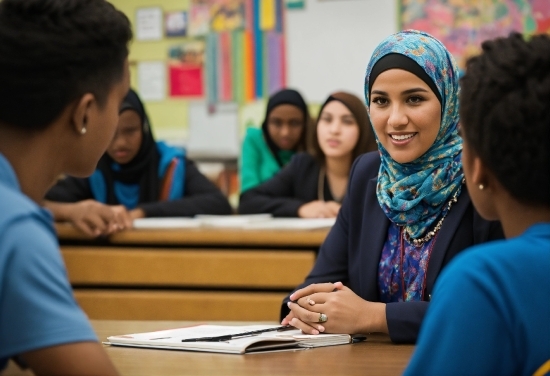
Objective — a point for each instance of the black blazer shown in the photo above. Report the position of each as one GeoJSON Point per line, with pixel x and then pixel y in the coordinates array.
{"type": "Point", "coordinates": [352, 250]}
{"type": "Point", "coordinates": [201, 196]}
{"type": "Point", "coordinates": [294, 185]}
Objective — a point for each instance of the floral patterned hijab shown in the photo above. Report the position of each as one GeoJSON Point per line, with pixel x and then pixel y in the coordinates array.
{"type": "Point", "coordinates": [414, 194]}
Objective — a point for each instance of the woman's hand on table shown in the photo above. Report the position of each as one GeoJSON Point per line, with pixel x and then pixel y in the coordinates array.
{"type": "Point", "coordinates": [345, 311]}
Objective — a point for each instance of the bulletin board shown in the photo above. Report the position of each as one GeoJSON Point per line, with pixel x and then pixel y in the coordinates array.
{"type": "Point", "coordinates": [463, 25]}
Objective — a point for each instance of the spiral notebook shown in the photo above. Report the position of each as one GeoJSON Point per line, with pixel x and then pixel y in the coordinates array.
{"type": "Point", "coordinates": [215, 338]}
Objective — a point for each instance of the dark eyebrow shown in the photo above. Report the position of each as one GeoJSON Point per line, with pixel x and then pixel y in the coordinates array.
{"type": "Point", "coordinates": [409, 91]}
{"type": "Point", "coordinates": [379, 92]}
{"type": "Point", "coordinates": [414, 90]}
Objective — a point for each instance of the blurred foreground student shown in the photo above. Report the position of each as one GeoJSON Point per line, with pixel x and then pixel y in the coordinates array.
{"type": "Point", "coordinates": [283, 133]}
{"type": "Point", "coordinates": [490, 313]}
{"type": "Point", "coordinates": [406, 212]}
{"type": "Point", "coordinates": [136, 178]}
{"type": "Point", "coordinates": [63, 74]}
{"type": "Point", "coordinates": [313, 186]}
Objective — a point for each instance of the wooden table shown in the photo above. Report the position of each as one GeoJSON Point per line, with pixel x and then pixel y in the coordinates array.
{"type": "Point", "coordinates": [376, 356]}
{"type": "Point", "coordinates": [187, 274]}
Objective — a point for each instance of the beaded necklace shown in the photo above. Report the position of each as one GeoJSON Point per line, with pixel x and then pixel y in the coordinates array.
{"type": "Point", "coordinates": [431, 234]}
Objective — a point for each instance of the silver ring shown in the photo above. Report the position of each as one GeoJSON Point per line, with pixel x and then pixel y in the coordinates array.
{"type": "Point", "coordinates": [322, 317]}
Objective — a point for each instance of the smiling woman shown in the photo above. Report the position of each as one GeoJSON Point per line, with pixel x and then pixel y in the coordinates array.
{"type": "Point", "coordinates": [313, 184]}
{"type": "Point", "coordinates": [406, 213]}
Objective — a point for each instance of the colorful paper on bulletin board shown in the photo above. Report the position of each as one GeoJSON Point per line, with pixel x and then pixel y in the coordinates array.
{"type": "Point", "coordinates": [237, 57]}
{"type": "Point", "coordinates": [175, 24]}
{"type": "Point", "coordinates": [227, 15]}
{"type": "Point", "coordinates": [462, 26]}
{"type": "Point", "coordinates": [295, 4]}
{"type": "Point", "coordinates": [188, 53]}
{"type": "Point", "coordinates": [280, 17]}
{"type": "Point", "coordinates": [199, 18]}
{"type": "Point", "coordinates": [226, 94]}
{"type": "Point", "coordinates": [212, 68]}
{"type": "Point", "coordinates": [186, 80]}
{"type": "Point", "coordinates": [274, 63]}
{"type": "Point", "coordinates": [248, 66]}
{"type": "Point", "coordinates": [268, 13]}
{"type": "Point", "coordinates": [248, 14]}
{"type": "Point", "coordinates": [258, 44]}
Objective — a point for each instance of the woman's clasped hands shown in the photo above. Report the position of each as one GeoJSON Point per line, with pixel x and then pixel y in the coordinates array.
{"type": "Point", "coordinates": [334, 308]}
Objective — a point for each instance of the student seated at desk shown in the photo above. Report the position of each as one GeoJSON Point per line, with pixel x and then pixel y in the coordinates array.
{"type": "Point", "coordinates": [406, 212]}
{"type": "Point", "coordinates": [265, 151]}
{"type": "Point", "coordinates": [313, 185]}
{"type": "Point", "coordinates": [63, 73]}
{"type": "Point", "coordinates": [136, 178]}
{"type": "Point", "coordinates": [490, 312]}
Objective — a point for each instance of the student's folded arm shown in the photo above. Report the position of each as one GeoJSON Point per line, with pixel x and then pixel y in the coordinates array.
{"type": "Point", "coordinates": [275, 196]}
{"type": "Point", "coordinates": [201, 196]}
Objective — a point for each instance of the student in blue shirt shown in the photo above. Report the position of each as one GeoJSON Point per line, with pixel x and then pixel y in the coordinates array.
{"type": "Point", "coordinates": [64, 74]}
{"type": "Point", "coordinates": [490, 311]}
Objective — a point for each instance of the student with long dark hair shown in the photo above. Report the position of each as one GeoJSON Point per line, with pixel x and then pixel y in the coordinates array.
{"type": "Point", "coordinates": [137, 177]}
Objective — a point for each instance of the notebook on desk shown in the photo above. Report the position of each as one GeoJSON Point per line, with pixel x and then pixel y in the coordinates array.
{"type": "Point", "coordinates": [229, 339]}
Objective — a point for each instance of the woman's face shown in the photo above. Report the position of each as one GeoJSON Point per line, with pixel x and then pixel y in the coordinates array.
{"type": "Point", "coordinates": [337, 130]}
{"type": "Point", "coordinates": [405, 113]}
{"type": "Point", "coordinates": [128, 137]}
{"type": "Point", "coordinates": [285, 125]}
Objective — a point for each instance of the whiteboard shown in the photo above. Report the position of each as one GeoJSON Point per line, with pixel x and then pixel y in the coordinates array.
{"type": "Point", "coordinates": [329, 43]}
{"type": "Point", "coordinates": [213, 134]}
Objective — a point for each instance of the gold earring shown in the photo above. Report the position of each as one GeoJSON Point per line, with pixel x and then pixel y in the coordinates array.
{"type": "Point", "coordinates": [481, 187]}
{"type": "Point", "coordinates": [83, 130]}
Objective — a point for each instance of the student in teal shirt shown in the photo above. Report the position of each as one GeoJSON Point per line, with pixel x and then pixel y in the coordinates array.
{"type": "Point", "coordinates": [490, 309]}
{"type": "Point", "coordinates": [63, 73]}
{"type": "Point", "coordinates": [266, 150]}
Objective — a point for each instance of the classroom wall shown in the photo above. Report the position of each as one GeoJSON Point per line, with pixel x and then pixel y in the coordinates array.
{"type": "Point", "coordinates": [328, 45]}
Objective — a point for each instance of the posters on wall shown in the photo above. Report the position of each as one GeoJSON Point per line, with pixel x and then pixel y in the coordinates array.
{"type": "Point", "coordinates": [152, 80]}
{"type": "Point", "coordinates": [234, 51]}
{"type": "Point", "coordinates": [176, 24]}
{"type": "Point", "coordinates": [149, 24]}
{"type": "Point", "coordinates": [463, 24]}
{"type": "Point", "coordinates": [186, 69]}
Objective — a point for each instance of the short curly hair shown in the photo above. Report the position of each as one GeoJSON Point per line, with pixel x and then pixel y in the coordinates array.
{"type": "Point", "coordinates": [54, 51]}
{"type": "Point", "coordinates": [505, 113]}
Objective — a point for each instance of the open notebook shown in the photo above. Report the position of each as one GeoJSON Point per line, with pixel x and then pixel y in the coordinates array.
{"type": "Point", "coordinates": [268, 340]}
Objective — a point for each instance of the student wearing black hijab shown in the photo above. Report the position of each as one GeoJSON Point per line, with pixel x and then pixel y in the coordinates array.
{"type": "Point", "coordinates": [267, 149]}
{"type": "Point", "coordinates": [137, 177]}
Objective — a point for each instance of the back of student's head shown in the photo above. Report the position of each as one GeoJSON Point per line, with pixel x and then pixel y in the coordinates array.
{"type": "Point", "coordinates": [54, 51]}
{"type": "Point", "coordinates": [505, 114]}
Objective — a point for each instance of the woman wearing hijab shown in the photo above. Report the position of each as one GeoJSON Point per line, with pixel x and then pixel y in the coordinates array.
{"type": "Point", "coordinates": [407, 212]}
{"type": "Point", "coordinates": [137, 177]}
{"type": "Point", "coordinates": [313, 185]}
{"type": "Point", "coordinates": [283, 133]}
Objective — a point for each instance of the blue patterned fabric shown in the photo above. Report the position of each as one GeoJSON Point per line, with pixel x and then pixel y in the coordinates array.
{"type": "Point", "coordinates": [413, 194]}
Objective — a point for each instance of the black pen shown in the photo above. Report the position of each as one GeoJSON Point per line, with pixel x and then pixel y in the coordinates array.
{"type": "Point", "coordinates": [238, 335]}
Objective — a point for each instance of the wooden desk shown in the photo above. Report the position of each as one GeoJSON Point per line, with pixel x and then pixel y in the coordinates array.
{"type": "Point", "coordinates": [376, 356]}
{"type": "Point", "coordinates": [187, 274]}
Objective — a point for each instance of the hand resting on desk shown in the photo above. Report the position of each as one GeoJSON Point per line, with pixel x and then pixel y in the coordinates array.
{"type": "Point", "coordinates": [346, 312]}
{"type": "Point", "coordinates": [94, 218]}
